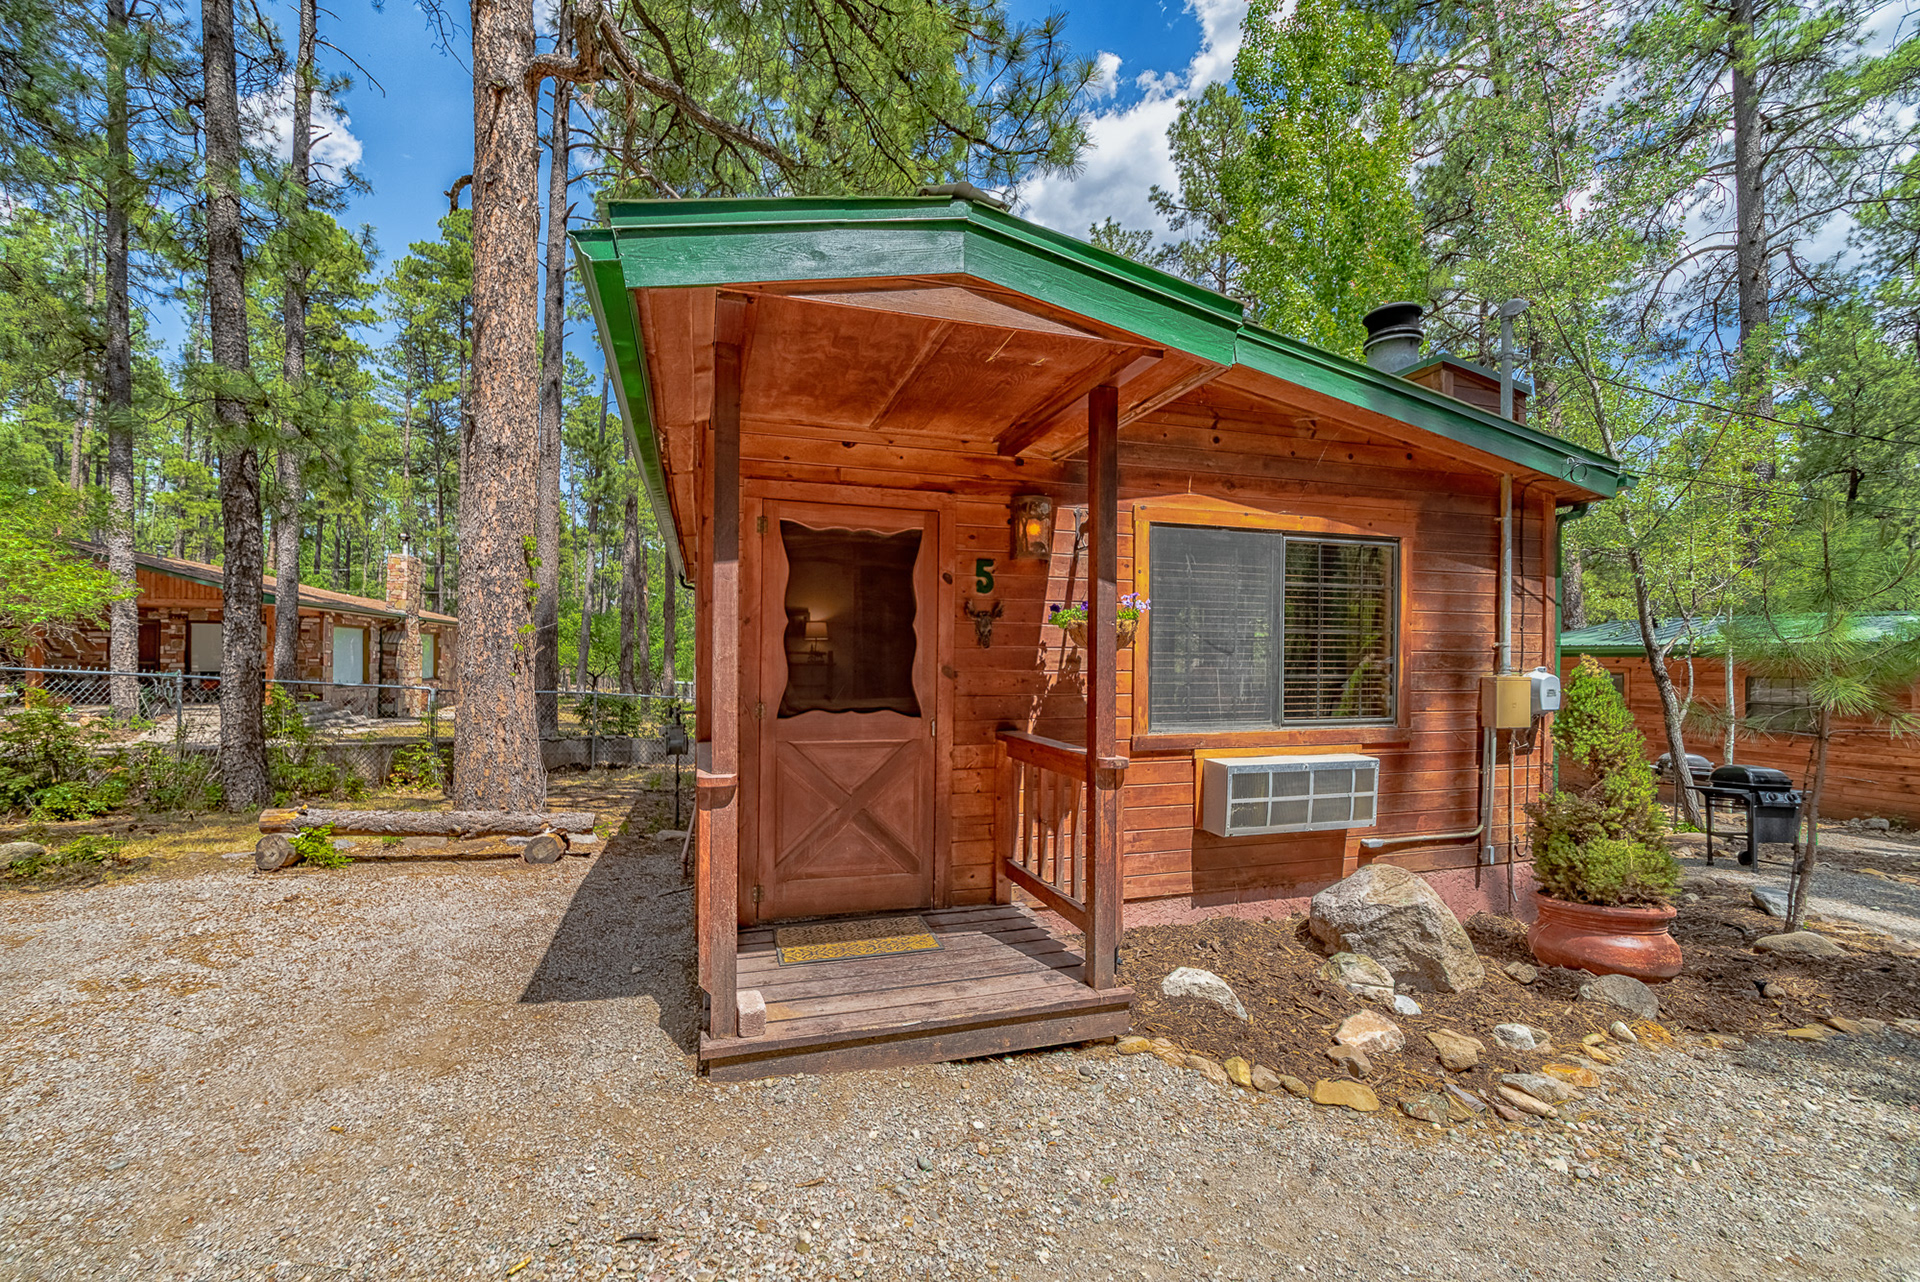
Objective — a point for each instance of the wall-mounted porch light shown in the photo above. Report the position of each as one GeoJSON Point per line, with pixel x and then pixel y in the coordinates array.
{"type": "Point", "coordinates": [1032, 527]}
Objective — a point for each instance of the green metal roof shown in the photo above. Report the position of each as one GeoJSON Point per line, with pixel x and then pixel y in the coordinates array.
{"type": "Point", "coordinates": [1704, 636]}
{"type": "Point", "coordinates": [653, 244]}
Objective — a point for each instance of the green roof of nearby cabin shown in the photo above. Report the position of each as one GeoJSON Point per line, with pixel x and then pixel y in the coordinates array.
{"type": "Point", "coordinates": [655, 244]}
{"type": "Point", "coordinates": [1704, 636]}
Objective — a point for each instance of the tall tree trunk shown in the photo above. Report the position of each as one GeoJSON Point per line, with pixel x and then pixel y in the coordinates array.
{"type": "Point", "coordinates": [496, 752]}
{"type": "Point", "coordinates": [243, 748]}
{"type": "Point", "coordinates": [1573, 594]}
{"type": "Point", "coordinates": [629, 587]}
{"type": "Point", "coordinates": [1749, 202]}
{"type": "Point", "coordinates": [1800, 888]}
{"type": "Point", "coordinates": [669, 630]}
{"type": "Point", "coordinates": [546, 674]}
{"type": "Point", "coordinates": [242, 730]}
{"type": "Point", "coordinates": [1670, 711]}
{"type": "Point", "coordinates": [123, 617]}
{"type": "Point", "coordinates": [643, 617]}
{"type": "Point", "coordinates": [293, 368]}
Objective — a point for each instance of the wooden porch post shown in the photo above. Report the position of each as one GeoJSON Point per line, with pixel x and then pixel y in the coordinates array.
{"type": "Point", "coordinates": [1104, 769]}
{"type": "Point", "coordinates": [720, 793]}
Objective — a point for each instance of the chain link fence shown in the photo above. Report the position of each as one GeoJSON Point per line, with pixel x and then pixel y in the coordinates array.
{"type": "Point", "coordinates": [371, 732]}
{"type": "Point", "coordinates": [381, 734]}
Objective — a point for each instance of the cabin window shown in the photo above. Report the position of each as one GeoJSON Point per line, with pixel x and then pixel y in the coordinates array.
{"type": "Point", "coordinates": [1255, 629]}
{"type": "Point", "coordinates": [204, 644]}
{"type": "Point", "coordinates": [428, 660]}
{"type": "Point", "coordinates": [1779, 707]}
{"type": "Point", "coordinates": [349, 656]}
{"type": "Point", "coordinates": [850, 605]}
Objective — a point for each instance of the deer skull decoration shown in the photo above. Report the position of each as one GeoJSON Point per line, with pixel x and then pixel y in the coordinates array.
{"type": "Point", "coordinates": [983, 622]}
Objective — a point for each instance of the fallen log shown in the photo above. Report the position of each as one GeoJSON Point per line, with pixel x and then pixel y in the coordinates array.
{"type": "Point", "coordinates": [458, 824]}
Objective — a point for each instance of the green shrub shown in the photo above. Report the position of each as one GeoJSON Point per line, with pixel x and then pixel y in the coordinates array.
{"type": "Point", "coordinates": [77, 799]}
{"type": "Point", "coordinates": [295, 768]}
{"type": "Point", "coordinates": [315, 846]}
{"type": "Point", "coordinates": [1605, 843]}
{"type": "Point", "coordinates": [420, 767]}
{"type": "Point", "coordinates": [82, 854]}
{"type": "Point", "coordinates": [165, 780]}
{"type": "Point", "coordinates": [41, 750]}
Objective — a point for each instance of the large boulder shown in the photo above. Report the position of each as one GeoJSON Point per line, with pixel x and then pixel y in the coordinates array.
{"type": "Point", "coordinates": [1391, 915]}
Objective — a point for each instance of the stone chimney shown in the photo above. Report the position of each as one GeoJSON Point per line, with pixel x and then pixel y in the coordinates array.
{"type": "Point", "coordinates": [406, 582]}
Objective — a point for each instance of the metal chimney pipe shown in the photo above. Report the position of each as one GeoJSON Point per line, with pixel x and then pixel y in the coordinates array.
{"type": "Point", "coordinates": [1394, 335]}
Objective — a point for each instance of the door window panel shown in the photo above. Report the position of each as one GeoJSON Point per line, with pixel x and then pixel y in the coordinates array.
{"type": "Point", "coordinates": [850, 644]}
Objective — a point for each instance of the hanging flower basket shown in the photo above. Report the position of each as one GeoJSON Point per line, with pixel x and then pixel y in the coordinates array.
{"type": "Point", "coordinates": [1073, 618]}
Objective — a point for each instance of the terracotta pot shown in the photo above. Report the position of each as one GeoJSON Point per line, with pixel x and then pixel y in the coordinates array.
{"type": "Point", "coordinates": [1606, 941]}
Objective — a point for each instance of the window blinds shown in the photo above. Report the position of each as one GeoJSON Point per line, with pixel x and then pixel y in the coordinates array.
{"type": "Point", "coordinates": [1255, 628]}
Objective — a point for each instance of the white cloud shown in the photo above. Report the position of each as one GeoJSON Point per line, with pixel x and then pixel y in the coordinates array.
{"type": "Point", "coordinates": [1127, 150]}
{"type": "Point", "coordinates": [269, 118]}
{"type": "Point", "coordinates": [1107, 76]}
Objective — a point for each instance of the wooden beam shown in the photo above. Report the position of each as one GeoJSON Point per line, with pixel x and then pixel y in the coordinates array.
{"type": "Point", "coordinates": [1103, 601]}
{"type": "Point", "coordinates": [1160, 384]}
{"type": "Point", "coordinates": [719, 925]}
{"type": "Point", "coordinates": [1033, 425]}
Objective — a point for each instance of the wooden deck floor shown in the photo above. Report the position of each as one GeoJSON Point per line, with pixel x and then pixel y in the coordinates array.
{"type": "Point", "coordinates": [998, 983]}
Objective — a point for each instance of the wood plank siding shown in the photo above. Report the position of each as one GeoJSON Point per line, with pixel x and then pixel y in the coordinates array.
{"type": "Point", "coordinates": [1219, 449]}
{"type": "Point", "coordinates": [1870, 771]}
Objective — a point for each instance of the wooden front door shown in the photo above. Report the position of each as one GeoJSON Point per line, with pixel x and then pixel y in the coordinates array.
{"type": "Point", "coordinates": [849, 651]}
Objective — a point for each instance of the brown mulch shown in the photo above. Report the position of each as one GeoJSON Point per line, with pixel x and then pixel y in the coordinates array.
{"type": "Point", "coordinates": [1272, 967]}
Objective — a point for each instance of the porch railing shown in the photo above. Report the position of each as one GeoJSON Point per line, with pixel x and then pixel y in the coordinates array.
{"type": "Point", "coordinates": [1043, 798]}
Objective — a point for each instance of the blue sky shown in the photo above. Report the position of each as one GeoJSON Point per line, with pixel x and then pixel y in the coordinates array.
{"type": "Point", "coordinates": [412, 140]}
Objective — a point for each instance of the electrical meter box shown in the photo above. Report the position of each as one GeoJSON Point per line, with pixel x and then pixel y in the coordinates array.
{"type": "Point", "coordinates": [1506, 702]}
{"type": "Point", "coordinates": [1546, 690]}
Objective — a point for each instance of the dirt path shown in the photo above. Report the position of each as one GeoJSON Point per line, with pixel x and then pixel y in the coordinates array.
{"type": "Point", "coordinates": [442, 1070]}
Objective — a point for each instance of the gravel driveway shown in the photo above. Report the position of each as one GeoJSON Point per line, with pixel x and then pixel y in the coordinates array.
{"type": "Point", "coordinates": [480, 1070]}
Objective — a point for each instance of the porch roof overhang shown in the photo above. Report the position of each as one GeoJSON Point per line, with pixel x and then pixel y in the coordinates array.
{"type": "Point", "coordinates": [786, 245]}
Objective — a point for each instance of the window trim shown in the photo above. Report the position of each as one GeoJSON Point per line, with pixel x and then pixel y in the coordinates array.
{"type": "Point", "coordinates": [1198, 510]}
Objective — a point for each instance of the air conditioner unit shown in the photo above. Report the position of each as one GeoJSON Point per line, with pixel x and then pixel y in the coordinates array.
{"type": "Point", "coordinates": [1248, 796]}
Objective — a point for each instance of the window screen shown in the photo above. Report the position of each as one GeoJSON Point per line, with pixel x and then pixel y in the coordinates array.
{"type": "Point", "coordinates": [1255, 628]}
{"type": "Point", "coordinates": [1779, 707]}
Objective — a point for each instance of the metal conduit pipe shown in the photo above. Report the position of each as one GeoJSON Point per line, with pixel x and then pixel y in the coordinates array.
{"type": "Point", "coordinates": [1381, 843]}
{"type": "Point", "coordinates": [1488, 762]}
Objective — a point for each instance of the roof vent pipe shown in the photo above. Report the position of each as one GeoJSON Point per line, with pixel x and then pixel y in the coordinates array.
{"type": "Point", "coordinates": [1394, 334]}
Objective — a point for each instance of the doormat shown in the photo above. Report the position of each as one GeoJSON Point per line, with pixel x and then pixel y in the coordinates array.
{"type": "Point", "coordinates": [838, 940]}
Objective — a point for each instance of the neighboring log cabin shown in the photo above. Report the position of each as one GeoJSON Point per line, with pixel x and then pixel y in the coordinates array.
{"type": "Point", "coordinates": [886, 439]}
{"type": "Point", "coordinates": [1871, 772]}
{"type": "Point", "coordinates": [349, 645]}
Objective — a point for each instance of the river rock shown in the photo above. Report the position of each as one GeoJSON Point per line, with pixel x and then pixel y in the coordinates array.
{"type": "Point", "coordinates": [1525, 1103]}
{"type": "Point", "coordinates": [1239, 1072]}
{"type": "Point", "coordinates": [1370, 1032]}
{"type": "Point", "coordinates": [1520, 972]}
{"type": "Point", "coordinates": [20, 852]}
{"type": "Point", "coordinates": [1458, 1052]}
{"type": "Point", "coordinates": [1800, 943]}
{"type": "Point", "coordinates": [1519, 1037]}
{"type": "Point", "coordinates": [1624, 992]}
{"type": "Point", "coordinates": [1396, 918]}
{"type": "Point", "coordinates": [1361, 976]}
{"type": "Point", "coordinates": [1208, 1069]}
{"type": "Point", "coordinates": [1770, 901]}
{"type": "Point", "coordinates": [1466, 1099]}
{"type": "Point", "coordinates": [1542, 1087]}
{"type": "Point", "coordinates": [1405, 1005]}
{"type": "Point", "coordinates": [1621, 1033]}
{"type": "Point", "coordinates": [1427, 1107]}
{"type": "Point", "coordinates": [1265, 1080]}
{"type": "Point", "coordinates": [1351, 1058]}
{"type": "Point", "coordinates": [1573, 1074]}
{"type": "Point", "coordinates": [1342, 1093]}
{"type": "Point", "coordinates": [1133, 1046]}
{"type": "Point", "coordinates": [1190, 981]}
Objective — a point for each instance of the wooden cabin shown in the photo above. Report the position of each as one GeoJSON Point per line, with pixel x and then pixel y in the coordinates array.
{"type": "Point", "coordinates": [1871, 772]}
{"type": "Point", "coordinates": [349, 646]}
{"type": "Point", "coordinates": [886, 438]}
